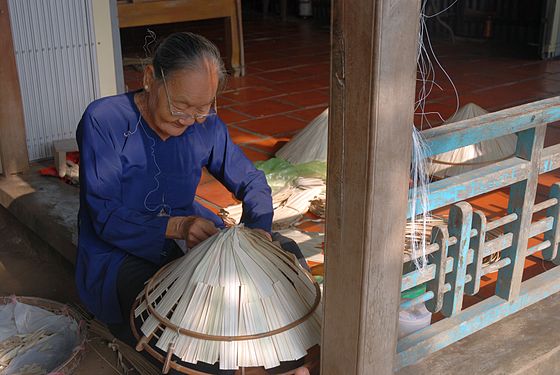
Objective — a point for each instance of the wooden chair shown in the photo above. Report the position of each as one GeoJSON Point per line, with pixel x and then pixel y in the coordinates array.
{"type": "Point", "coordinates": [152, 12]}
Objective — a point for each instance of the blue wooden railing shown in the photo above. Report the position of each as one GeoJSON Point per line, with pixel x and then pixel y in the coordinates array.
{"type": "Point", "coordinates": [457, 248]}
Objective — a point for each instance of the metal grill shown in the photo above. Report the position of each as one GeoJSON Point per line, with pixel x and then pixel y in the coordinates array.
{"type": "Point", "coordinates": [56, 57]}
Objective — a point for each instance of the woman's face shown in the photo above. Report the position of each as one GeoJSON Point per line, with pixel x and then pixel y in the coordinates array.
{"type": "Point", "coordinates": [186, 94]}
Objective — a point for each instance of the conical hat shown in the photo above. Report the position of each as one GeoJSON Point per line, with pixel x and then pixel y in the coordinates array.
{"type": "Point", "coordinates": [470, 157]}
{"type": "Point", "coordinates": [310, 144]}
{"type": "Point", "coordinates": [237, 299]}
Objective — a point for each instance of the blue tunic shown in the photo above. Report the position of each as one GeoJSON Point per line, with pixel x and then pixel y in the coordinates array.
{"type": "Point", "coordinates": [128, 176]}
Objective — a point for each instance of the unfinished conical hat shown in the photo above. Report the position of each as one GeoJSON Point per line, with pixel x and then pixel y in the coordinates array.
{"type": "Point", "coordinates": [309, 144]}
{"type": "Point", "coordinates": [237, 299]}
{"type": "Point", "coordinates": [470, 157]}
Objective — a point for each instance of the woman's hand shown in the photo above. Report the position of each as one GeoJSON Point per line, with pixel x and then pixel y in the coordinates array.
{"type": "Point", "coordinates": [301, 371]}
{"type": "Point", "coordinates": [192, 229]}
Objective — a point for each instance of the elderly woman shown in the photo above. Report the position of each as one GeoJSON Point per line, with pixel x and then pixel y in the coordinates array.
{"type": "Point", "coordinates": [142, 156]}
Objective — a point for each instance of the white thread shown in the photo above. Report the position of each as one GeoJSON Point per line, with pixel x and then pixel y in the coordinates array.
{"type": "Point", "coordinates": [164, 208]}
{"type": "Point", "coordinates": [128, 133]}
{"type": "Point", "coordinates": [419, 170]}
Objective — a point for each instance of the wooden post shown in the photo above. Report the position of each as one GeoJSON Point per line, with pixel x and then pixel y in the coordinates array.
{"type": "Point", "coordinates": [373, 63]}
{"type": "Point", "coordinates": [13, 147]}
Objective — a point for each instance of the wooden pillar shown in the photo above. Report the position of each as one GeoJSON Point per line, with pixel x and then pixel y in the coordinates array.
{"type": "Point", "coordinates": [373, 73]}
{"type": "Point", "coordinates": [13, 147]}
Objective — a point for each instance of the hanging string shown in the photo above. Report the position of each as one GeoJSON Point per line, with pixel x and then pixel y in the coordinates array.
{"type": "Point", "coordinates": [425, 58]}
{"type": "Point", "coordinates": [427, 62]}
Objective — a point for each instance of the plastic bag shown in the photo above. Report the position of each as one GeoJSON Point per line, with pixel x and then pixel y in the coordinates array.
{"type": "Point", "coordinates": [280, 173]}
{"type": "Point", "coordinates": [56, 337]}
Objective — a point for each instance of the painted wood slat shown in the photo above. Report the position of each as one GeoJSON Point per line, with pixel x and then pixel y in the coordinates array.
{"type": "Point", "coordinates": [473, 183]}
{"type": "Point", "coordinates": [418, 345]}
{"type": "Point", "coordinates": [460, 223]}
{"type": "Point", "coordinates": [553, 235]}
{"type": "Point", "coordinates": [440, 236]}
{"type": "Point", "coordinates": [521, 201]}
{"type": "Point", "coordinates": [477, 244]}
{"type": "Point", "coordinates": [492, 125]}
{"type": "Point", "coordinates": [539, 247]}
{"type": "Point", "coordinates": [550, 159]}
{"type": "Point", "coordinates": [500, 222]}
{"type": "Point", "coordinates": [415, 278]}
{"type": "Point", "coordinates": [545, 204]}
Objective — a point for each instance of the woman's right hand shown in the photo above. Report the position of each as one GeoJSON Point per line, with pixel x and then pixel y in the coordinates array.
{"type": "Point", "coordinates": [192, 229]}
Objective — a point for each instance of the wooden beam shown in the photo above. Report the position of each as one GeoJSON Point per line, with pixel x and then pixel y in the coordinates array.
{"type": "Point", "coordinates": [13, 147]}
{"type": "Point", "coordinates": [373, 63]}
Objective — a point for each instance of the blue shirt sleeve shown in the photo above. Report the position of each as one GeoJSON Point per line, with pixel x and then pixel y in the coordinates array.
{"type": "Point", "coordinates": [135, 232]}
{"type": "Point", "coordinates": [230, 166]}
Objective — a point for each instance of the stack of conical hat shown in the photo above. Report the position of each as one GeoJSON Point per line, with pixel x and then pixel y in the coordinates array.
{"type": "Point", "coordinates": [309, 144]}
{"type": "Point", "coordinates": [461, 160]}
{"type": "Point", "coordinates": [237, 299]}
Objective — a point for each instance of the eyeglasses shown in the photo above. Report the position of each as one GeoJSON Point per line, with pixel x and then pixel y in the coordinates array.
{"type": "Point", "coordinates": [187, 116]}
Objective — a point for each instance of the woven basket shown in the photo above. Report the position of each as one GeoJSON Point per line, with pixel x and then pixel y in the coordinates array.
{"type": "Point", "coordinates": [71, 364]}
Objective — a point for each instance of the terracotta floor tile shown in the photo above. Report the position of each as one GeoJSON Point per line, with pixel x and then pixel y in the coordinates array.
{"type": "Point", "coordinates": [308, 114]}
{"type": "Point", "coordinates": [307, 70]}
{"type": "Point", "coordinates": [270, 145]}
{"type": "Point", "coordinates": [280, 75]}
{"type": "Point", "coordinates": [302, 84]}
{"type": "Point", "coordinates": [206, 177]}
{"type": "Point", "coordinates": [245, 94]}
{"type": "Point", "coordinates": [234, 83]}
{"type": "Point", "coordinates": [274, 125]}
{"type": "Point", "coordinates": [311, 226]}
{"type": "Point", "coordinates": [264, 108]}
{"type": "Point", "coordinates": [215, 193]}
{"type": "Point", "coordinates": [275, 64]}
{"type": "Point", "coordinates": [239, 136]}
{"type": "Point", "coordinates": [229, 116]}
{"type": "Point", "coordinates": [254, 155]}
{"type": "Point", "coordinates": [306, 99]}
{"type": "Point", "coordinates": [553, 66]}
{"type": "Point", "coordinates": [224, 102]}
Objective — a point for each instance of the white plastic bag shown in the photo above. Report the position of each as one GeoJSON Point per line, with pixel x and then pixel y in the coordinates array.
{"type": "Point", "coordinates": [58, 337]}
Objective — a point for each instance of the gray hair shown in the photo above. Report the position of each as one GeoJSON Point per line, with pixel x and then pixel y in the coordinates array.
{"type": "Point", "coordinates": [186, 50]}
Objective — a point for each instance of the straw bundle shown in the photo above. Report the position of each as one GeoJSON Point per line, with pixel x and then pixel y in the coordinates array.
{"type": "Point", "coordinates": [290, 203]}
{"type": "Point", "coordinates": [236, 299]}
{"type": "Point", "coordinates": [318, 205]}
{"type": "Point", "coordinates": [417, 232]}
{"type": "Point", "coordinates": [310, 144]}
{"type": "Point", "coordinates": [470, 157]}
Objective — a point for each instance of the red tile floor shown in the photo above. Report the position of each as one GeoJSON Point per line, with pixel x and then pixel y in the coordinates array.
{"type": "Point", "coordinates": [287, 85]}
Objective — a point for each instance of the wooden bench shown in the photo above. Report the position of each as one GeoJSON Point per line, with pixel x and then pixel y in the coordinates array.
{"type": "Point", "coordinates": [152, 12]}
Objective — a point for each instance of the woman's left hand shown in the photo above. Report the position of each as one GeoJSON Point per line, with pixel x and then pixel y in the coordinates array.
{"type": "Point", "coordinates": [263, 233]}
